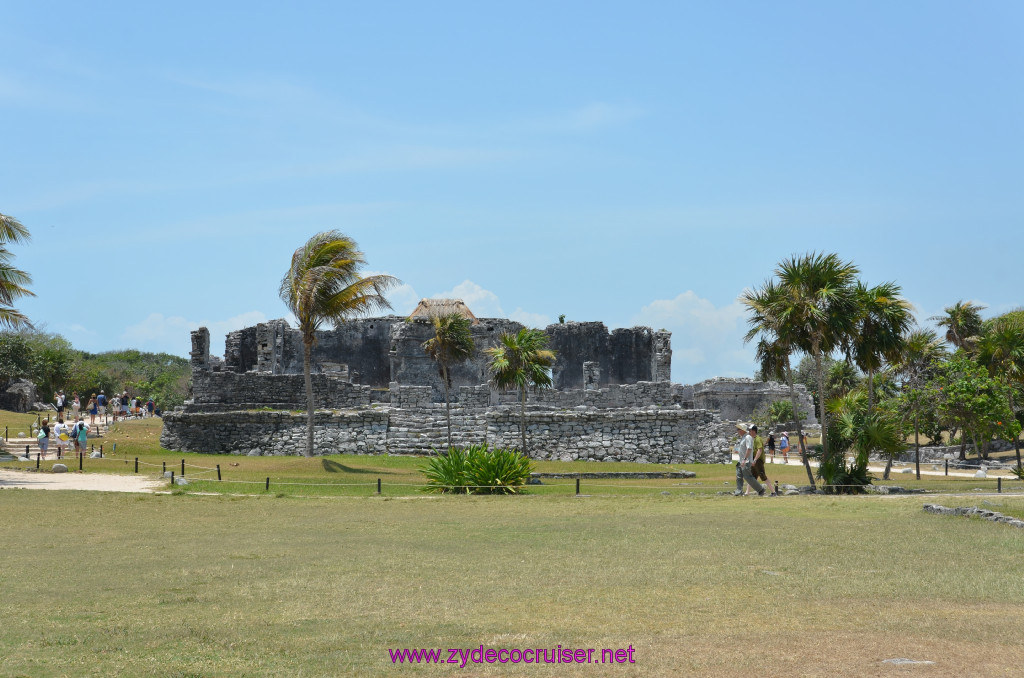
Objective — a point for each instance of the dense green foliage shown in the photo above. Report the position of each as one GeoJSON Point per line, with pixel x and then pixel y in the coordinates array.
{"type": "Point", "coordinates": [521, 360]}
{"type": "Point", "coordinates": [451, 344]}
{"type": "Point", "coordinates": [51, 363]}
{"type": "Point", "coordinates": [477, 469]}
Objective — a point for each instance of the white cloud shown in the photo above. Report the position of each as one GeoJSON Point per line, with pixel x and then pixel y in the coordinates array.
{"type": "Point", "coordinates": [530, 319]}
{"type": "Point", "coordinates": [171, 334]}
{"type": "Point", "coordinates": [707, 340]}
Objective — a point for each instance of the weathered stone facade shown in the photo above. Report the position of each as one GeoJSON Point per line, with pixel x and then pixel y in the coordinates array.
{"type": "Point", "coordinates": [377, 392]}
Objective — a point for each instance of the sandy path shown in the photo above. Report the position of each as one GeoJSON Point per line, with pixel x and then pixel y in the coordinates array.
{"type": "Point", "coordinates": [101, 482]}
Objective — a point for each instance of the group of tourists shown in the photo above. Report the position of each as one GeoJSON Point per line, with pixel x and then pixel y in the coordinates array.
{"type": "Point", "coordinates": [65, 436]}
{"type": "Point", "coordinates": [752, 450]}
{"type": "Point", "coordinates": [121, 405]}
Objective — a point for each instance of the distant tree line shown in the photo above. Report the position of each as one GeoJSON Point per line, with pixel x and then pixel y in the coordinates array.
{"type": "Point", "coordinates": [52, 363]}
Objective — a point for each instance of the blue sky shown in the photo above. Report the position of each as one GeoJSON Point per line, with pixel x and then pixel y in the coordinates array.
{"type": "Point", "coordinates": [635, 163]}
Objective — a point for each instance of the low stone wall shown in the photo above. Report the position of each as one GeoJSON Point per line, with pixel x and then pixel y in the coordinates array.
{"type": "Point", "coordinates": [928, 454]}
{"type": "Point", "coordinates": [276, 433]}
{"type": "Point", "coordinates": [665, 435]}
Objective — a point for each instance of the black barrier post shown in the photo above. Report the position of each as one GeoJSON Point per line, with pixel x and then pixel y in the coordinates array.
{"type": "Point", "coordinates": [92, 448]}
{"type": "Point", "coordinates": [218, 471]}
{"type": "Point", "coordinates": [172, 477]}
{"type": "Point", "coordinates": [79, 461]}
{"type": "Point", "coordinates": [101, 450]}
{"type": "Point", "coordinates": [182, 468]}
{"type": "Point", "coordinates": [378, 485]}
{"type": "Point", "coordinates": [268, 483]}
{"type": "Point", "coordinates": [947, 467]}
{"type": "Point", "coordinates": [136, 464]}
{"type": "Point", "coordinates": [999, 485]}
{"type": "Point", "coordinates": [165, 467]}
{"type": "Point", "coordinates": [776, 487]}
{"type": "Point", "coordinates": [26, 452]}
{"type": "Point", "coordinates": [38, 456]}
{"type": "Point", "coordinates": [577, 486]}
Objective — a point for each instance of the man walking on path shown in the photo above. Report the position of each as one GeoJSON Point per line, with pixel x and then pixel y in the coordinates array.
{"type": "Point", "coordinates": [746, 453]}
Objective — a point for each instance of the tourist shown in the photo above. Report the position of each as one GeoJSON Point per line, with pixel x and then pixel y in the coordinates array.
{"type": "Point", "coordinates": [757, 468]}
{"type": "Point", "coordinates": [60, 400]}
{"type": "Point", "coordinates": [150, 406]}
{"type": "Point", "coordinates": [784, 447]}
{"type": "Point", "coordinates": [91, 408]}
{"type": "Point", "coordinates": [83, 437]}
{"type": "Point", "coordinates": [60, 435]}
{"type": "Point", "coordinates": [101, 406]}
{"type": "Point", "coordinates": [124, 403]}
{"type": "Point", "coordinates": [43, 438]}
{"type": "Point", "coordinates": [771, 445]}
{"type": "Point", "coordinates": [746, 449]}
{"type": "Point", "coordinates": [76, 406]}
{"type": "Point", "coordinates": [115, 406]}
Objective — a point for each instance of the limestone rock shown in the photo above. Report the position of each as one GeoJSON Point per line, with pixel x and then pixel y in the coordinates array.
{"type": "Point", "coordinates": [59, 468]}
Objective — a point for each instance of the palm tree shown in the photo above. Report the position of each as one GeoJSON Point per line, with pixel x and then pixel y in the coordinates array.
{"type": "Point", "coordinates": [323, 285]}
{"type": "Point", "coordinates": [13, 281]}
{"type": "Point", "coordinates": [963, 323]}
{"type": "Point", "coordinates": [767, 307]}
{"type": "Point", "coordinates": [1001, 350]}
{"type": "Point", "coordinates": [519, 361]}
{"type": "Point", "coordinates": [451, 344]}
{"type": "Point", "coordinates": [883, 318]}
{"type": "Point", "coordinates": [819, 309]}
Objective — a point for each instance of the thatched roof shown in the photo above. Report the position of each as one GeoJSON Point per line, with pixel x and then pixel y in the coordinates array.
{"type": "Point", "coordinates": [429, 308]}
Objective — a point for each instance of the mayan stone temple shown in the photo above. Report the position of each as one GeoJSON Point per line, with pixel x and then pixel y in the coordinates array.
{"type": "Point", "coordinates": [377, 392]}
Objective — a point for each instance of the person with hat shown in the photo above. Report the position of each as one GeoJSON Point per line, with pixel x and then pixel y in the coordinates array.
{"type": "Point", "coordinates": [784, 447]}
{"type": "Point", "coordinates": [745, 449]}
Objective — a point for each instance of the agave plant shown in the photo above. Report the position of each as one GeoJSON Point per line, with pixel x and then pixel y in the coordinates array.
{"type": "Point", "coordinates": [477, 469]}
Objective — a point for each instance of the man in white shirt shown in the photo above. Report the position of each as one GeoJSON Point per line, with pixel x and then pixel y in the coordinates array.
{"type": "Point", "coordinates": [745, 449]}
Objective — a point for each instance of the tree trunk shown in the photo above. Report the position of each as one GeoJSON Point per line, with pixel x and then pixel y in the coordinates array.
{"type": "Point", "coordinates": [310, 407]}
{"type": "Point", "coordinates": [888, 468]}
{"type": "Point", "coordinates": [447, 404]}
{"type": "Point", "coordinates": [1016, 438]}
{"type": "Point", "coordinates": [871, 390]}
{"type": "Point", "coordinates": [821, 405]}
{"type": "Point", "coordinates": [522, 417]}
{"type": "Point", "coordinates": [799, 426]}
{"type": "Point", "coordinates": [917, 449]}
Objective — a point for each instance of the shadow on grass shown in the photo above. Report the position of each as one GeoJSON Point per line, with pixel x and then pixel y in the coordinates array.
{"type": "Point", "coordinates": [335, 467]}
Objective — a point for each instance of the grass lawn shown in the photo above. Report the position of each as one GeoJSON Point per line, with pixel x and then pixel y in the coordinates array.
{"type": "Point", "coordinates": [339, 475]}
{"type": "Point", "coordinates": [185, 585]}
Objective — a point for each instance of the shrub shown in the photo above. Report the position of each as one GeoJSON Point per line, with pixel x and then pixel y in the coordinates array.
{"type": "Point", "coordinates": [477, 470]}
{"type": "Point", "coordinates": [838, 478]}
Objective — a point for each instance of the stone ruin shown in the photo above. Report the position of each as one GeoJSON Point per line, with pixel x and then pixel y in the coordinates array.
{"type": "Point", "coordinates": [377, 392]}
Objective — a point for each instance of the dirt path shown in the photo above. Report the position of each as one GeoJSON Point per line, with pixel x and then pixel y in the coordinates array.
{"type": "Point", "coordinates": [101, 482]}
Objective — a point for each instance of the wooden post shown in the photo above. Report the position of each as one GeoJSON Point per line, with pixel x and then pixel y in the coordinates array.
{"type": "Point", "coordinates": [378, 485]}
{"type": "Point", "coordinates": [182, 468]}
{"type": "Point", "coordinates": [218, 471]}
{"type": "Point", "coordinates": [268, 483]}
{"type": "Point", "coordinates": [136, 464]}
{"type": "Point", "coordinates": [577, 486]}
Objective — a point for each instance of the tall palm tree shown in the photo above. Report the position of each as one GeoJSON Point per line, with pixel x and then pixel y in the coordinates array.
{"type": "Point", "coordinates": [451, 344]}
{"type": "Point", "coordinates": [820, 308]}
{"type": "Point", "coordinates": [775, 346]}
{"type": "Point", "coordinates": [1001, 350]}
{"type": "Point", "coordinates": [519, 361]}
{"type": "Point", "coordinates": [883, 318]}
{"type": "Point", "coordinates": [13, 281]}
{"type": "Point", "coordinates": [963, 323]}
{"type": "Point", "coordinates": [323, 285]}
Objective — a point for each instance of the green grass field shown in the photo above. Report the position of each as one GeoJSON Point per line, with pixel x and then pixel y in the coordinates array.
{"type": "Point", "coordinates": [185, 585]}
{"type": "Point", "coordinates": [341, 475]}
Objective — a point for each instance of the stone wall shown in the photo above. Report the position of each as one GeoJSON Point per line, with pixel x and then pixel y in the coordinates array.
{"type": "Point", "coordinates": [624, 356]}
{"type": "Point", "coordinates": [280, 391]}
{"type": "Point", "coordinates": [669, 435]}
{"type": "Point", "coordinates": [736, 399]}
{"type": "Point", "coordinates": [275, 433]}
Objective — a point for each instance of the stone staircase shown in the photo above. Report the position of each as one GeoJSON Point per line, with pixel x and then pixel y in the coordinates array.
{"type": "Point", "coordinates": [422, 433]}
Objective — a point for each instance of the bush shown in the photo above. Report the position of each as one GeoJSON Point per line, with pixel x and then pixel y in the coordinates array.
{"type": "Point", "coordinates": [477, 470]}
{"type": "Point", "coordinates": [838, 478]}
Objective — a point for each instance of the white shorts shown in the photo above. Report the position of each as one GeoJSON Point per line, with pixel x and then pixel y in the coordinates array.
{"type": "Point", "coordinates": [101, 409]}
